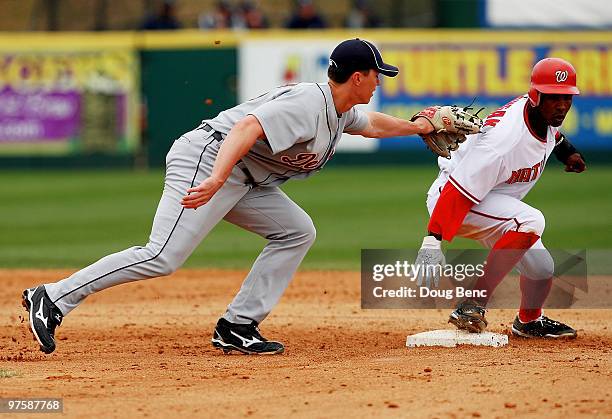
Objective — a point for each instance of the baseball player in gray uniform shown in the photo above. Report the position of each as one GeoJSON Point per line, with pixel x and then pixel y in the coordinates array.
{"type": "Point", "coordinates": [230, 167]}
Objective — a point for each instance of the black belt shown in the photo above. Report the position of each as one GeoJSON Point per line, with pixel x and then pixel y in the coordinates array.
{"type": "Point", "coordinates": [239, 164]}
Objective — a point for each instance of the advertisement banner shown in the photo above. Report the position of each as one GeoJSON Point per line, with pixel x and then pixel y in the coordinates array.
{"type": "Point", "coordinates": [67, 103]}
{"type": "Point", "coordinates": [488, 69]}
{"type": "Point", "coordinates": [490, 75]}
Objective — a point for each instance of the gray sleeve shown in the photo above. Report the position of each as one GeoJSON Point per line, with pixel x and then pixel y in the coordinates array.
{"type": "Point", "coordinates": [288, 119]}
{"type": "Point", "coordinates": [356, 121]}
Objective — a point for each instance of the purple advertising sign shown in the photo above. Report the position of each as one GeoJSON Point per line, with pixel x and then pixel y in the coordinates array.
{"type": "Point", "coordinates": [39, 115]}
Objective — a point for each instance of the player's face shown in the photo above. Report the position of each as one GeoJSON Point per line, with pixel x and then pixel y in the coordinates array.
{"type": "Point", "coordinates": [554, 108]}
{"type": "Point", "coordinates": [368, 86]}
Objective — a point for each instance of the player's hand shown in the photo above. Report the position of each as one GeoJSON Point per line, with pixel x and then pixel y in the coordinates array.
{"type": "Point", "coordinates": [201, 194]}
{"type": "Point", "coordinates": [423, 126]}
{"type": "Point", "coordinates": [450, 125]}
{"type": "Point", "coordinates": [575, 163]}
{"type": "Point", "coordinates": [430, 262]}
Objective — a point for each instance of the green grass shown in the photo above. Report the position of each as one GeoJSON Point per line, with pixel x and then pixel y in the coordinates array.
{"type": "Point", "coordinates": [72, 218]}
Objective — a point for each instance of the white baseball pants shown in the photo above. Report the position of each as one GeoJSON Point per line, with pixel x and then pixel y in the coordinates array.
{"type": "Point", "coordinates": [493, 217]}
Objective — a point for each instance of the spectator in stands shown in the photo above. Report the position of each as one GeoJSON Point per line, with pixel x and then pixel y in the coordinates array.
{"type": "Point", "coordinates": [306, 16]}
{"type": "Point", "coordinates": [361, 16]}
{"type": "Point", "coordinates": [220, 18]}
{"type": "Point", "coordinates": [164, 19]}
{"type": "Point", "coordinates": [252, 16]}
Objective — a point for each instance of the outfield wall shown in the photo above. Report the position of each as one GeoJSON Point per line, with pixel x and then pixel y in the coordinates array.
{"type": "Point", "coordinates": [99, 99]}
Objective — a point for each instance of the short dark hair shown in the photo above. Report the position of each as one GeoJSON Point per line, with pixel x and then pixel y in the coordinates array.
{"type": "Point", "coordinates": [341, 76]}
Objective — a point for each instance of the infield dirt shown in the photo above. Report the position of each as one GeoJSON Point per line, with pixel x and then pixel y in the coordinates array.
{"type": "Point", "coordinates": [143, 349]}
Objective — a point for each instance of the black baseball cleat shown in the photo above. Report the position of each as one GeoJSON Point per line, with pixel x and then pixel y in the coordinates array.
{"type": "Point", "coordinates": [244, 338]}
{"type": "Point", "coordinates": [542, 327]}
{"type": "Point", "coordinates": [44, 317]}
{"type": "Point", "coordinates": [470, 316]}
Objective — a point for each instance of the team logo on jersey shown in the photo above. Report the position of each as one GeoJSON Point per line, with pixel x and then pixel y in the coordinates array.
{"type": "Point", "coordinates": [561, 75]}
{"type": "Point", "coordinates": [526, 174]}
{"type": "Point", "coordinates": [302, 160]}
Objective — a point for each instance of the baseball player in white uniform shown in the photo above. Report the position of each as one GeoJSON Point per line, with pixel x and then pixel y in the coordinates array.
{"type": "Point", "coordinates": [230, 167]}
{"type": "Point", "coordinates": [478, 195]}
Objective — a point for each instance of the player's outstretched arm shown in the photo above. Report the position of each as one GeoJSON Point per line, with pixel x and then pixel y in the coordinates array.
{"type": "Point", "coordinates": [381, 125]}
{"type": "Point", "coordinates": [442, 128]}
{"type": "Point", "coordinates": [237, 143]}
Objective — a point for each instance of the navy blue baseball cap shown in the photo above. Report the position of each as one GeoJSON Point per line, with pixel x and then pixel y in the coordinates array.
{"type": "Point", "coordinates": [358, 54]}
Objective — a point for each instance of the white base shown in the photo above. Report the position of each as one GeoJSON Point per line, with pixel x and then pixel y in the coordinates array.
{"type": "Point", "coordinates": [452, 338]}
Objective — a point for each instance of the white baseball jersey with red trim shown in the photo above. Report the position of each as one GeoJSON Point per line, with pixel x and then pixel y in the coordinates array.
{"type": "Point", "coordinates": [496, 169]}
{"type": "Point", "coordinates": [508, 157]}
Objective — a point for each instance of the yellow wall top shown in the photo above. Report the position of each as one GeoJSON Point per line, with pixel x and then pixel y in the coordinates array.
{"type": "Point", "coordinates": [197, 39]}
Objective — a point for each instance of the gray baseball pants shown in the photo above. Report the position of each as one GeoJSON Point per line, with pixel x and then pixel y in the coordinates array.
{"type": "Point", "coordinates": [176, 232]}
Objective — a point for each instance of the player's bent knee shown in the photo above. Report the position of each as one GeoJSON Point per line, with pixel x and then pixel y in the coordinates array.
{"type": "Point", "coordinates": [163, 265]}
{"type": "Point", "coordinates": [167, 270]}
{"type": "Point", "coordinates": [535, 223]}
{"type": "Point", "coordinates": [540, 272]}
{"type": "Point", "coordinates": [302, 233]}
{"type": "Point", "coordinates": [537, 264]}
{"type": "Point", "coordinates": [543, 272]}
{"type": "Point", "coordinates": [297, 233]}
{"type": "Point", "coordinates": [309, 232]}
{"type": "Point", "coordinates": [546, 269]}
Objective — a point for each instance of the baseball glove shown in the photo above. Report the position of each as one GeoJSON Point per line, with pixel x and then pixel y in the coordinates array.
{"type": "Point", "coordinates": [450, 126]}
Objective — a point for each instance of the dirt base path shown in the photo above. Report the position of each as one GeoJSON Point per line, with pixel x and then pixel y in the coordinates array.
{"type": "Point", "coordinates": [143, 349]}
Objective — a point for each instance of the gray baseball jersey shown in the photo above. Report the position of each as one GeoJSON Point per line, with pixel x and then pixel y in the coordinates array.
{"type": "Point", "coordinates": [302, 129]}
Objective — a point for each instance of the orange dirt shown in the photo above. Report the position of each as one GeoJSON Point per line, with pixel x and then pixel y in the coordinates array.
{"type": "Point", "coordinates": [143, 349]}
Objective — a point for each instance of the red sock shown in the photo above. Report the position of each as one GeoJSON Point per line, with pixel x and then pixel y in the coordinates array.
{"type": "Point", "coordinates": [527, 315]}
{"type": "Point", "coordinates": [533, 295]}
{"type": "Point", "coordinates": [506, 252]}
